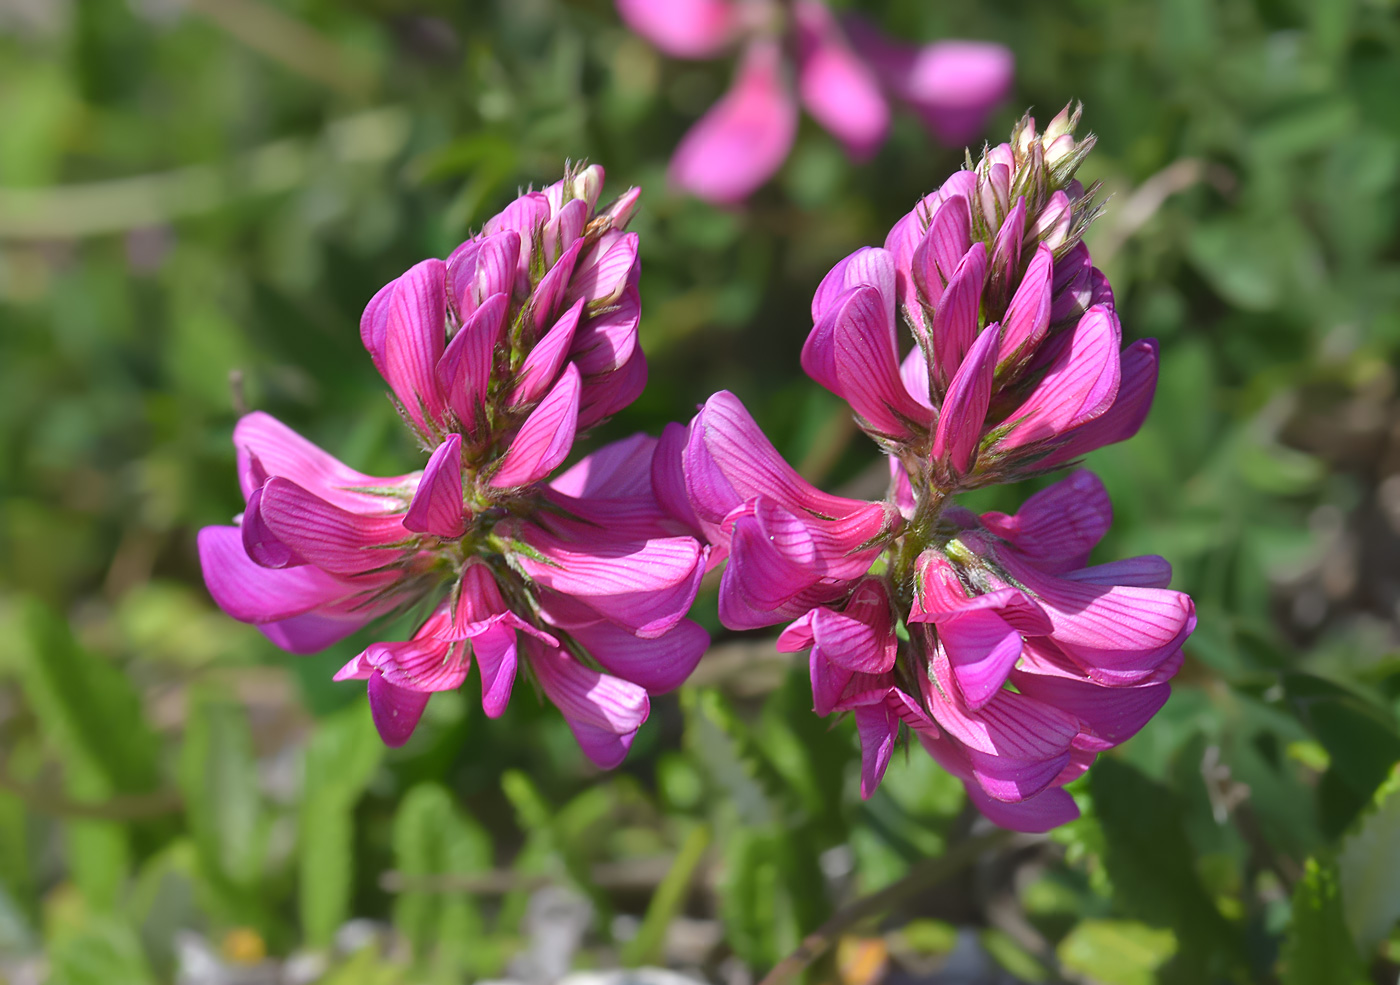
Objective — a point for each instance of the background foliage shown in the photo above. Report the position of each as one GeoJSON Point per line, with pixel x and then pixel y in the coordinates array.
{"type": "Point", "coordinates": [197, 197]}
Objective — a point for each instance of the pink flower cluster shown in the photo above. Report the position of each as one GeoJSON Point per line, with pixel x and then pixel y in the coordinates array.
{"type": "Point", "coordinates": [1022, 661]}
{"type": "Point", "coordinates": [847, 74]}
{"type": "Point", "coordinates": [496, 358]}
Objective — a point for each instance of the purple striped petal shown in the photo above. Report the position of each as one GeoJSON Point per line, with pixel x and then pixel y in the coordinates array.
{"type": "Point", "coordinates": [943, 247]}
{"type": "Point", "coordinates": [878, 727]}
{"type": "Point", "coordinates": [906, 235]}
{"type": "Point", "coordinates": [1060, 525]}
{"type": "Point", "coordinates": [544, 440]}
{"type": "Point", "coordinates": [501, 257]}
{"type": "Point", "coordinates": [913, 370]}
{"type": "Point", "coordinates": [615, 471]}
{"type": "Point", "coordinates": [395, 710]}
{"type": "Point", "coordinates": [959, 431]}
{"type": "Point", "coordinates": [496, 659]}
{"type": "Point", "coordinates": [325, 535]}
{"type": "Point", "coordinates": [414, 337]}
{"type": "Point", "coordinates": [1147, 571]}
{"type": "Point", "coordinates": [1080, 385]}
{"type": "Point", "coordinates": [982, 648]}
{"type": "Point", "coordinates": [659, 665]}
{"type": "Point", "coordinates": [544, 302]}
{"type": "Point", "coordinates": [868, 266]}
{"type": "Point", "coordinates": [464, 371]}
{"type": "Point", "coordinates": [1005, 263]}
{"type": "Point", "coordinates": [608, 341]}
{"type": "Point", "coordinates": [866, 363]}
{"type": "Point", "coordinates": [745, 137]}
{"type": "Point", "coordinates": [374, 324]}
{"type": "Point", "coordinates": [437, 505]}
{"type": "Point", "coordinates": [954, 327]}
{"type": "Point", "coordinates": [1028, 315]}
{"type": "Point", "coordinates": [1035, 815]}
{"type": "Point", "coordinates": [260, 543]}
{"type": "Point", "coordinates": [542, 364]}
{"type": "Point", "coordinates": [610, 266]}
{"type": "Point", "coordinates": [1129, 410]}
{"type": "Point", "coordinates": [605, 396]}
{"type": "Point", "coordinates": [266, 447]}
{"type": "Point", "coordinates": [603, 712]}
{"type": "Point", "coordinates": [311, 632]}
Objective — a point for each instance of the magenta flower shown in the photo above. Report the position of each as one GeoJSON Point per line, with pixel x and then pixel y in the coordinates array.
{"type": "Point", "coordinates": [846, 75]}
{"type": "Point", "coordinates": [1018, 661]}
{"type": "Point", "coordinates": [496, 358]}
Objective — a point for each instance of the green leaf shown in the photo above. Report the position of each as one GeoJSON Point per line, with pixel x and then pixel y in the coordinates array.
{"type": "Point", "coordinates": [1152, 867]}
{"type": "Point", "coordinates": [648, 947]}
{"type": "Point", "coordinates": [1319, 950]}
{"type": "Point", "coordinates": [341, 758]}
{"type": "Point", "coordinates": [87, 708]}
{"type": "Point", "coordinates": [1123, 952]}
{"type": "Point", "coordinates": [431, 837]}
{"type": "Point", "coordinates": [1367, 865]}
{"type": "Point", "coordinates": [219, 779]}
{"type": "Point", "coordinates": [106, 952]}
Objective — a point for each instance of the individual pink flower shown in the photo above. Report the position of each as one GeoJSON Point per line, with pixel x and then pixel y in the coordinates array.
{"type": "Point", "coordinates": [992, 639]}
{"type": "Point", "coordinates": [496, 358]}
{"type": "Point", "coordinates": [845, 74]}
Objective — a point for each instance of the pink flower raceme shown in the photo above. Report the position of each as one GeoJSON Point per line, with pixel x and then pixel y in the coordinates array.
{"type": "Point", "coordinates": [846, 75]}
{"type": "Point", "coordinates": [496, 359]}
{"type": "Point", "coordinates": [1018, 661]}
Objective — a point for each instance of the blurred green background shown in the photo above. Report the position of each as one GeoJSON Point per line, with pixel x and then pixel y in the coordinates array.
{"type": "Point", "coordinates": [197, 197]}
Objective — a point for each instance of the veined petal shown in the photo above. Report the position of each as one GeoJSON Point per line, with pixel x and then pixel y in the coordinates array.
{"type": "Point", "coordinates": [615, 471]}
{"type": "Point", "coordinates": [606, 395]}
{"type": "Point", "coordinates": [544, 440]}
{"type": "Point", "coordinates": [659, 665]}
{"type": "Point", "coordinates": [1147, 571]}
{"type": "Point", "coordinates": [544, 302]}
{"type": "Point", "coordinates": [1035, 815]}
{"type": "Point", "coordinates": [608, 340]}
{"type": "Point", "coordinates": [1060, 525]}
{"type": "Point", "coordinates": [604, 712]}
{"type": "Point", "coordinates": [542, 364]}
{"type": "Point", "coordinates": [496, 658]}
{"type": "Point", "coordinates": [878, 727]}
{"type": "Point", "coordinates": [683, 28]}
{"type": "Point", "coordinates": [1028, 315]}
{"type": "Point", "coordinates": [250, 593]}
{"type": "Point", "coordinates": [610, 266]}
{"type": "Point", "coordinates": [464, 371]}
{"type": "Point", "coordinates": [644, 587]}
{"type": "Point", "coordinates": [668, 480]}
{"type": "Point", "coordinates": [964, 410]}
{"type": "Point", "coordinates": [267, 447]}
{"type": "Point", "coordinates": [414, 337]}
{"type": "Point", "coordinates": [954, 327]}
{"type": "Point", "coordinates": [437, 505]}
{"type": "Point", "coordinates": [868, 266]}
{"type": "Point", "coordinates": [395, 710]}
{"type": "Point", "coordinates": [906, 235]}
{"type": "Point", "coordinates": [263, 546]}
{"type": "Point", "coordinates": [942, 249]}
{"type": "Point", "coordinates": [745, 137]}
{"type": "Point", "coordinates": [310, 632]}
{"type": "Point", "coordinates": [982, 648]}
{"type": "Point", "coordinates": [1080, 385]}
{"type": "Point", "coordinates": [1129, 410]}
{"type": "Point", "coordinates": [866, 364]}
{"type": "Point", "coordinates": [504, 254]}
{"type": "Point", "coordinates": [327, 536]}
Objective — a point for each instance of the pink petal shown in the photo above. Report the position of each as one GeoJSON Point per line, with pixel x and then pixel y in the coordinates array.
{"type": "Point", "coordinates": [959, 431]}
{"type": "Point", "coordinates": [1080, 385]}
{"type": "Point", "coordinates": [544, 440]}
{"type": "Point", "coordinates": [395, 710]}
{"type": "Point", "coordinates": [1125, 417]}
{"type": "Point", "coordinates": [942, 249]}
{"type": "Point", "coordinates": [868, 266]}
{"type": "Point", "coordinates": [982, 648]}
{"type": "Point", "coordinates": [310, 632]}
{"type": "Point", "coordinates": [544, 302]}
{"type": "Point", "coordinates": [437, 505]}
{"type": "Point", "coordinates": [644, 587]}
{"type": "Point", "coordinates": [1058, 526]}
{"type": "Point", "coordinates": [1035, 815]}
{"type": "Point", "coordinates": [603, 711]}
{"type": "Point", "coordinates": [414, 336]}
{"type": "Point", "coordinates": [503, 253]}
{"type": "Point", "coordinates": [1005, 262]}
{"type": "Point", "coordinates": [266, 447]}
{"type": "Point", "coordinates": [745, 137]}
{"type": "Point", "coordinates": [606, 270]}
{"type": "Point", "coordinates": [955, 322]}
{"type": "Point", "coordinates": [1028, 315]}
{"type": "Point", "coordinates": [837, 87]}
{"type": "Point", "coordinates": [878, 727]}
{"type": "Point", "coordinates": [608, 341]}
{"type": "Point", "coordinates": [263, 546]}
{"type": "Point", "coordinates": [617, 470]}
{"type": "Point", "coordinates": [327, 536]}
{"type": "Point", "coordinates": [606, 395]}
{"type": "Point", "coordinates": [659, 665]}
{"type": "Point", "coordinates": [1111, 714]}
{"type": "Point", "coordinates": [668, 480]}
{"type": "Point", "coordinates": [496, 658]}
{"type": "Point", "coordinates": [464, 372]}
{"type": "Point", "coordinates": [906, 235]}
{"type": "Point", "coordinates": [542, 364]}
{"type": "Point", "coordinates": [1148, 571]}
{"type": "Point", "coordinates": [250, 593]}
{"type": "Point", "coordinates": [683, 28]}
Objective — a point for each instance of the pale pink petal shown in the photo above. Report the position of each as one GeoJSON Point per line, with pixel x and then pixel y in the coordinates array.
{"type": "Point", "coordinates": [683, 28]}
{"type": "Point", "coordinates": [837, 87]}
{"type": "Point", "coordinates": [745, 137]}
